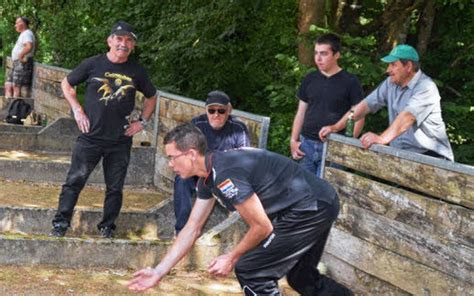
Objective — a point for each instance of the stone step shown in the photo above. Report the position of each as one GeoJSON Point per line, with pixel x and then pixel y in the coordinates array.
{"type": "Point", "coordinates": [16, 249]}
{"type": "Point", "coordinates": [49, 166]}
{"type": "Point", "coordinates": [29, 207]}
{"type": "Point", "coordinates": [94, 251]}
{"type": "Point", "coordinates": [43, 154]}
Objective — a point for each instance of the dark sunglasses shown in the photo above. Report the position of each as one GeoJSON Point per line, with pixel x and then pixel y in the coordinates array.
{"type": "Point", "coordinates": [220, 111]}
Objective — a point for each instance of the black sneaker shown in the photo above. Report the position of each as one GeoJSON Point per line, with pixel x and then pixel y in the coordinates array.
{"type": "Point", "coordinates": [106, 232]}
{"type": "Point", "coordinates": [58, 231]}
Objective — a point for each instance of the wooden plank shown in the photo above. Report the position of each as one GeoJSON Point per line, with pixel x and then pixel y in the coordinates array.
{"type": "Point", "coordinates": [182, 112]}
{"type": "Point", "coordinates": [447, 221]}
{"type": "Point", "coordinates": [395, 269]}
{"type": "Point", "coordinates": [448, 185]}
{"type": "Point", "coordinates": [446, 256]}
{"type": "Point", "coordinates": [179, 111]}
{"type": "Point", "coordinates": [359, 282]}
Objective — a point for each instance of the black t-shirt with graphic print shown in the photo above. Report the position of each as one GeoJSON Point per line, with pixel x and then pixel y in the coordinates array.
{"type": "Point", "coordinates": [110, 95]}
{"type": "Point", "coordinates": [279, 182]}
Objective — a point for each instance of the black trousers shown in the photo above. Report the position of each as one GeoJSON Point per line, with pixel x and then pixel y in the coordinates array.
{"type": "Point", "coordinates": [293, 249]}
{"type": "Point", "coordinates": [85, 157]}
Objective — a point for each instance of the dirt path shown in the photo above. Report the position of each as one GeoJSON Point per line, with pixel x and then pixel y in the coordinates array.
{"type": "Point", "coordinates": [43, 280]}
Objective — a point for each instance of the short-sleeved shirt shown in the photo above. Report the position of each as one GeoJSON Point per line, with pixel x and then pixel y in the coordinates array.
{"type": "Point", "coordinates": [420, 98]}
{"type": "Point", "coordinates": [279, 182]}
{"type": "Point", "coordinates": [25, 36]}
{"type": "Point", "coordinates": [233, 134]}
{"type": "Point", "coordinates": [328, 99]}
{"type": "Point", "coordinates": [110, 95]}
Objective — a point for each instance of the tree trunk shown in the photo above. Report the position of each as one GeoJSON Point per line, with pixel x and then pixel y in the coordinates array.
{"type": "Point", "coordinates": [425, 25]}
{"type": "Point", "coordinates": [347, 17]}
{"type": "Point", "coordinates": [334, 11]}
{"type": "Point", "coordinates": [311, 12]}
{"type": "Point", "coordinates": [396, 20]}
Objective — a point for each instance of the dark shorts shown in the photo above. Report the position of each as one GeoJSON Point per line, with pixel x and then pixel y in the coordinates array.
{"type": "Point", "coordinates": [21, 73]}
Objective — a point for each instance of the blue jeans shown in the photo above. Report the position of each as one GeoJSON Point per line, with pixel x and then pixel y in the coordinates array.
{"type": "Point", "coordinates": [312, 161]}
{"type": "Point", "coordinates": [182, 200]}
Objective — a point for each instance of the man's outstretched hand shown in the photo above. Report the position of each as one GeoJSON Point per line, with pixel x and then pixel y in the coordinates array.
{"type": "Point", "coordinates": [144, 279]}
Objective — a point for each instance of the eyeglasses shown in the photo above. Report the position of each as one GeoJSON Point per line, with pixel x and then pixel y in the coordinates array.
{"type": "Point", "coordinates": [172, 158]}
{"type": "Point", "coordinates": [220, 111]}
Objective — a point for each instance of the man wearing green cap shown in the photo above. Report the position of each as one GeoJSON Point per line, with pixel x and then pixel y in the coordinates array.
{"type": "Point", "coordinates": [414, 109]}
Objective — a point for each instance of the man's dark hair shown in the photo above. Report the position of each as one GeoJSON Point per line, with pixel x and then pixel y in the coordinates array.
{"type": "Point", "coordinates": [25, 20]}
{"type": "Point", "coordinates": [332, 40]}
{"type": "Point", "coordinates": [416, 65]}
{"type": "Point", "coordinates": [187, 136]}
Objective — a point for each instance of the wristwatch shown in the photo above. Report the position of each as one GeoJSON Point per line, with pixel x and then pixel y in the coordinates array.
{"type": "Point", "coordinates": [143, 121]}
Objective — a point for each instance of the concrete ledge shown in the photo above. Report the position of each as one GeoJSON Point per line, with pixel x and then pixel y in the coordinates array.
{"type": "Point", "coordinates": [140, 170]}
{"type": "Point", "coordinates": [77, 252]}
{"type": "Point", "coordinates": [156, 224]}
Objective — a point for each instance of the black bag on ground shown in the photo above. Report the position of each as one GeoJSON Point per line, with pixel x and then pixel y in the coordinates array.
{"type": "Point", "coordinates": [17, 111]}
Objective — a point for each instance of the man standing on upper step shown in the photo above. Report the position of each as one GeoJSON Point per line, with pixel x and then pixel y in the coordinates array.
{"type": "Point", "coordinates": [414, 109]}
{"type": "Point", "coordinates": [112, 80]}
{"type": "Point", "coordinates": [22, 57]}
{"type": "Point", "coordinates": [223, 131]}
{"type": "Point", "coordinates": [324, 97]}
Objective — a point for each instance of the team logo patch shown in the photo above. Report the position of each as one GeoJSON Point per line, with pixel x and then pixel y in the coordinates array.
{"type": "Point", "coordinates": [228, 189]}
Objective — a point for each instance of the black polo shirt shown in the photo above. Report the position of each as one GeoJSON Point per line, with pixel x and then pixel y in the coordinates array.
{"type": "Point", "coordinates": [328, 99]}
{"type": "Point", "coordinates": [279, 182]}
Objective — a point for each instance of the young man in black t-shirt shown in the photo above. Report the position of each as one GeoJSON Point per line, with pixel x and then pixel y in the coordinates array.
{"type": "Point", "coordinates": [324, 97]}
{"type": "Point", "coordinates": [111, 79]}
{"type": "Point", "coordinates": [289, 213]}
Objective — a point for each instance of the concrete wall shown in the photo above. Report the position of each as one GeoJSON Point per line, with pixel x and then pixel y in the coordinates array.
{"type": "Point", "coordinates": [414, 238]}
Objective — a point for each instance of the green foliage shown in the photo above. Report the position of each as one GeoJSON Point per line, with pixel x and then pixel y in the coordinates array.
{"type": "Point", "coordinates": [248, 48]}
{"type": "Point", "coordinates": [451, 60]}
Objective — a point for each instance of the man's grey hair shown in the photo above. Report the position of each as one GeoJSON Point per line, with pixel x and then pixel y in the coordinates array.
{"type": "Point", "coordinates": [187, 136]}
{"type": "Point", "coordinates": [416, 65]}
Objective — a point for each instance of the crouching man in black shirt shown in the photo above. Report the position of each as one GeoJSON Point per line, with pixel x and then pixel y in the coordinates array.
{"type": "Point", "coordinates": [288, 211]}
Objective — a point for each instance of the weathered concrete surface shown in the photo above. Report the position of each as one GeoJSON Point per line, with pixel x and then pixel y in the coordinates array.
{"type": "Point", "coordinates": [38, 221]}
{"type": "Point", "coordinates": [46, 91]}
{"type": "Point", "coordinates": [77, 252]}
{"type": "Point", "coordinates": [18, 129]}
{"type": "Point", "coordinates": [157, 223]}
{"type": "Point", "coordinates": [53, 167]}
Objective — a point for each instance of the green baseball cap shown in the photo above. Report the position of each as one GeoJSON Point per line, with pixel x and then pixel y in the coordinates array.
{"type": "Point", "coordinates": [402, 52]}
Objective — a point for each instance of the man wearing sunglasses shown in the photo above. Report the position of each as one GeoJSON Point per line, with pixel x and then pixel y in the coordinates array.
{"type": "Point", "coordinates": [222, 131]}
{"type": "Point", "coordinates": [288, 211]}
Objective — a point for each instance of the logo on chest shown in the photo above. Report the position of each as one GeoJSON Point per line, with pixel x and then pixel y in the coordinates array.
{"type": "Point", "coordinates": [228, 189]}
